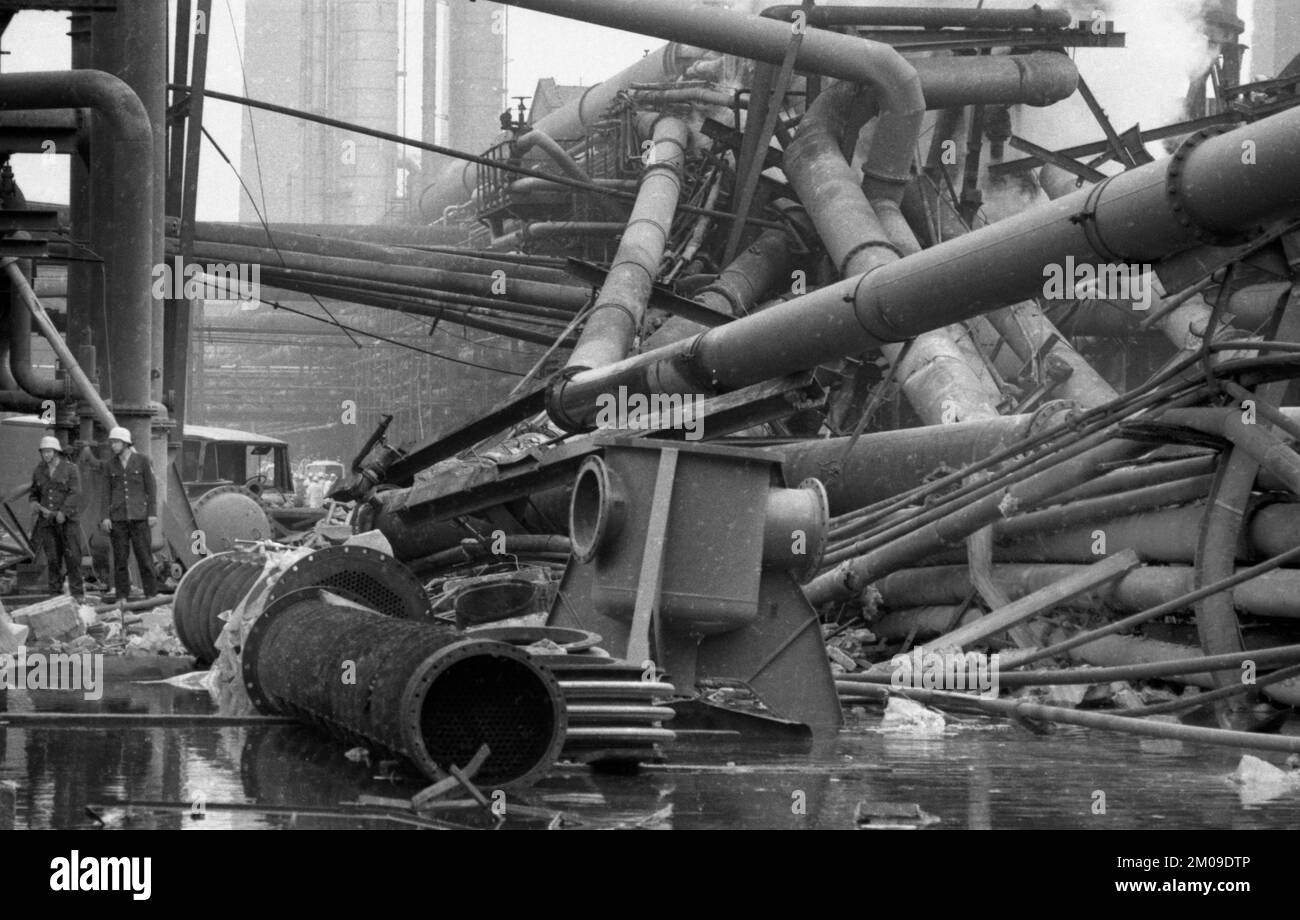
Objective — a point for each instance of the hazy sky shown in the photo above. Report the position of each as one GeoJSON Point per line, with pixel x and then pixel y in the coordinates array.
{"type": "Point", "coordinates": [538, 46]}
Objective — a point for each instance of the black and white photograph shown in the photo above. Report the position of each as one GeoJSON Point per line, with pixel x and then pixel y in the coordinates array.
{"type": "Point", "coordinates": [651, 415]}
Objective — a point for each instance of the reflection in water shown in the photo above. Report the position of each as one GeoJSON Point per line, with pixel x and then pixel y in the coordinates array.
{"type": "Point", "coordinates": [978, 775]}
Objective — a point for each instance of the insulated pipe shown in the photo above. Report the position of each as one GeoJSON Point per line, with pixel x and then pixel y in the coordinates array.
{"type": "Point", "coordinates": [616, 317]}
{"type": "Point", "coordinates": [1128, 218]}
{"type": "Point", "coordinates": [130, 143]}
{"type": "Point", "coordinates": [81, 383]}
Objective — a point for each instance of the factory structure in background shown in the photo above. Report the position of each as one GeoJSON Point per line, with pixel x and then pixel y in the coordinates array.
{"type": "Point", "coordinates": [348, 58]}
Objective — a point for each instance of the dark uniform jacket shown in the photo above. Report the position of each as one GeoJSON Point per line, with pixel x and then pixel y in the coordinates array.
{"type": "Point", "coordinates": [57, 491]}
{"type": "Point", "coordinates": [130, 494]}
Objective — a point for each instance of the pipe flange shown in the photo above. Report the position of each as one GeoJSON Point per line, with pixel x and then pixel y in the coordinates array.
{"type": "Point", "coordinates": [361, 575]}
{"type": "Point", "coordinates": [817, 550]}
{"type": "Point", "coordinates": [1051, 414]}
{"type": "Point", "coordinates": [1177, 195]}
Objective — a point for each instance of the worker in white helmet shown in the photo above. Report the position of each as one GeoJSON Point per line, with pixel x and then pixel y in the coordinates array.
{"type": "Point", "coordinates": [55, 494]}
{"type": "Point", "coordinates": [130, 510]}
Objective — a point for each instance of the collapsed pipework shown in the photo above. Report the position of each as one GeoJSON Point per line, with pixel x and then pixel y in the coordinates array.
{"type": "Point", "coordinates": [733, 241]}
{"type": "Point", "coordinates": [955, 308]}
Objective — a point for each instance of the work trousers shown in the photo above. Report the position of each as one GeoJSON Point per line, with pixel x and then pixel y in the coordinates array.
{"type": "Point", "coordinates": [61, 544]}
{"type": "Point", "coordinates": [128, 537]}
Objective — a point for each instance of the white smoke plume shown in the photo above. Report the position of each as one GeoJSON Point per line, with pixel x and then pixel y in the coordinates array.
{"type": "Point", "coordinates": [1144, 83]}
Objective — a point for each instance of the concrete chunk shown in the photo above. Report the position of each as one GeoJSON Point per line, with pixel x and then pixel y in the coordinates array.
{"type": "Point", "coordinates": [56, 618]}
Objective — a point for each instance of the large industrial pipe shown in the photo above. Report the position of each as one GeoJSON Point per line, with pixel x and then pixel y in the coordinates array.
{"type": "Point", "coordinates": [826, 53]}
{"type": "Point", "coordinates": [433, 695]}
{"type": "Point", "coordinates": [1273, 594]}
{"type": "Point", "coordinates": [130, 143]}
{"type": "Point", "coordinates": [142, 32]}
{"type": "Point", "coordinates": [12, 397]}
{"type": "Point", "coordinates": [737, 289]}
{"type": "Point", "coordinates": [882, 464]}
{"type": "Point", "coordinates": [827, 17]}
{"type": "Point", "coordinates": [615, 318]}
{"type": "Point", "coordinates": [862, 233]}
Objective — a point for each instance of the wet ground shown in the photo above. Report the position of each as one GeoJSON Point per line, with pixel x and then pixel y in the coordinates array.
{"type": "Point", "coordinates": [979, 774]}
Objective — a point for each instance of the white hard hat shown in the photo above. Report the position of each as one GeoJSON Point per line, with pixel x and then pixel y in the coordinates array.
{"type": "Point", "coordinates": [49, 442]}
{"type": "Point", "coordinates": [120, 434]}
